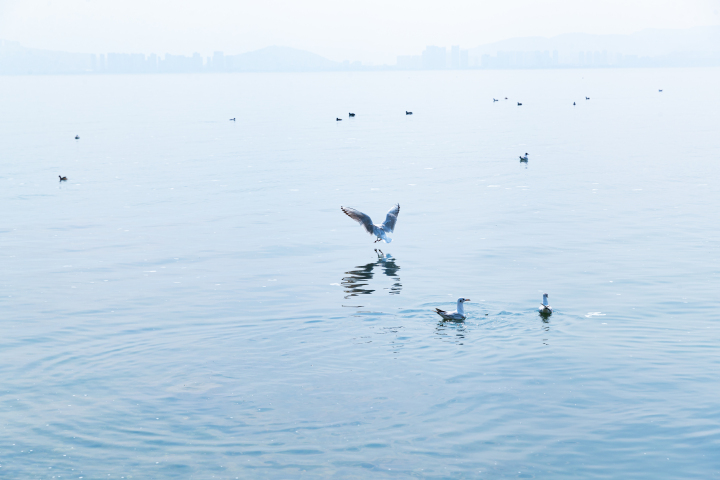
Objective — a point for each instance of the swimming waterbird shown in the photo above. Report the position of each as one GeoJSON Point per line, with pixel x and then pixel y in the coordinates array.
{"type": "Point", "coordinates": [458, 314]}
{"type": "Point", "coordinates": [544, 307]}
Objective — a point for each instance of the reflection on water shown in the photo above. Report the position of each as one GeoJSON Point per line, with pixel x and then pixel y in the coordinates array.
{"type": "Point", "coordinates": [545, 321]}
{"type": "Point", "coordinates": [451, 331]}
{"type": "Point", "coordinates": [357, 280]}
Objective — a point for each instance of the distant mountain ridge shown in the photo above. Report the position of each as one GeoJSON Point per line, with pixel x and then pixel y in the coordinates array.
{"type": "Point", "coordinates": [280, 59]}
{"type": "Point", "coordinates": [693, 47]}
{"type": "Point", "coordinates": [649, 42]}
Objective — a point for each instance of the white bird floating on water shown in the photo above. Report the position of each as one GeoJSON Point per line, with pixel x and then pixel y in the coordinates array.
{"type": "Point", "coordinates": [458, 314]}
{"type": "Point", "coordinates": [544, 307]}
{"type": "Point", "coordinates": [380, 231]}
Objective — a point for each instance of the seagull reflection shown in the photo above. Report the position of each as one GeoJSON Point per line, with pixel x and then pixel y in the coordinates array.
{"type": "Point", "coordinates": [451, 331]}
{"type": "Point", "coordinates": [357, 280]}
{"type": "Point", "coordinates": [545, 321]}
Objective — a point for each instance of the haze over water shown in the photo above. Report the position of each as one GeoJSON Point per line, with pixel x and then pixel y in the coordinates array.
{"type": "Point", "coordinates": [192, 303]}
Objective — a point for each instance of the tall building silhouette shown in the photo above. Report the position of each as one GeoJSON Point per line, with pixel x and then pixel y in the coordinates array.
{"type": "Point", "coordinates": [455, 57]}
{"type": "Point", "coordinates": [464, 59]}
{"type": "Point", "coordinates": [434, 58]}
{"type": "Point", "coordinates": [218, 62]}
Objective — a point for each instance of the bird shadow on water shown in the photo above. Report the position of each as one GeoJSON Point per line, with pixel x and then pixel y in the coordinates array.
{"type": "Point", "coordinates": [357, 281]}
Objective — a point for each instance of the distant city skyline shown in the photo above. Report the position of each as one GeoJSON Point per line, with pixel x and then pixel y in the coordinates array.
{"type": "Point", "coordinates": [372, 32]}
{"type": "Point", "coordinates": [650, 48]}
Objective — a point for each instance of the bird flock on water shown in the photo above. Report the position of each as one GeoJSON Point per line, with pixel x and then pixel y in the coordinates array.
{"type": "Point", "coordinates": [381, 231]}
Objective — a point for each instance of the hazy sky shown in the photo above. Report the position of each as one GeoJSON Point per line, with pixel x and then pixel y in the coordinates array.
{"type": "Point", "coordinates": [373, 31]}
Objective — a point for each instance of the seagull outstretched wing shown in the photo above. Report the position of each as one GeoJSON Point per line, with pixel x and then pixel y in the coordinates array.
{"type": "Point", "coordinates": [391, 219]}
{"type": "Point", "coordinates": [359, 217]}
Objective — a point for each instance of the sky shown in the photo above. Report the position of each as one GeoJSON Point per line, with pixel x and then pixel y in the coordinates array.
{"type": "Point", "coordinates": [371, 31]}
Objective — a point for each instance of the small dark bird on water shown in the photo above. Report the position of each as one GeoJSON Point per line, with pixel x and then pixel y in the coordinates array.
{"type": "Point", "coordinates": [62, 179]}
{"type": "Point", "coordinates": [587, 98]}
{"type": "Point", "coordinates": [77, 137]}
{"type": "Point", "coordinates": [573, 103]}
{"type": "Point", "coordinates": [408, 113]}
{"type": "Point", "coordinates": [338, 119]}
{"type": "Point", "coordinates": [495, 99]}
{"type": "Point", "coordinates": [519, 103]}
{"type": "Point", "coordinates": [352, 114]}
{"type": "Point", "coordinates": [505, 98]}
{"type": "Point", "coordinates": [232, 119]}
{"type": "Point", "coordinates": [524, 159]}
{"type": "Point", "coordinates": [659, 90]}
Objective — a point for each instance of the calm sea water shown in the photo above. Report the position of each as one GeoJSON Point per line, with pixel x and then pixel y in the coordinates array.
{"type": "Point", "coordinates": [192, 303]}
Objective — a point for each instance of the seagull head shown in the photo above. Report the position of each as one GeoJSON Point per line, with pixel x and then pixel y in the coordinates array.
{"type": "Point", "coordinates": [463, 300]}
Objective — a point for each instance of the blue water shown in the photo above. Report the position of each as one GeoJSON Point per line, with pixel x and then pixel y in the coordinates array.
{"type": "Point", "coordinates": [192, 303]}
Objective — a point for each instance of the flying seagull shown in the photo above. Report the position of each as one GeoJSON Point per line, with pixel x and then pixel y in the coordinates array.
{"type": "Point", "coordinates": [458, 314]}
{"type": "Point", "coordinates": [380, 231]}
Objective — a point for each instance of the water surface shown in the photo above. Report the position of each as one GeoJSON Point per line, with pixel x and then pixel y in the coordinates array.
{"type": "Point", "coordinates": [192, 303]}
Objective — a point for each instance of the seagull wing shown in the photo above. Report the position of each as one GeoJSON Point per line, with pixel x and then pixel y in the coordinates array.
{"type": "Point", "coordinates": [359, 217]}
{"type": "Point", "coordinates": [391, 219]}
